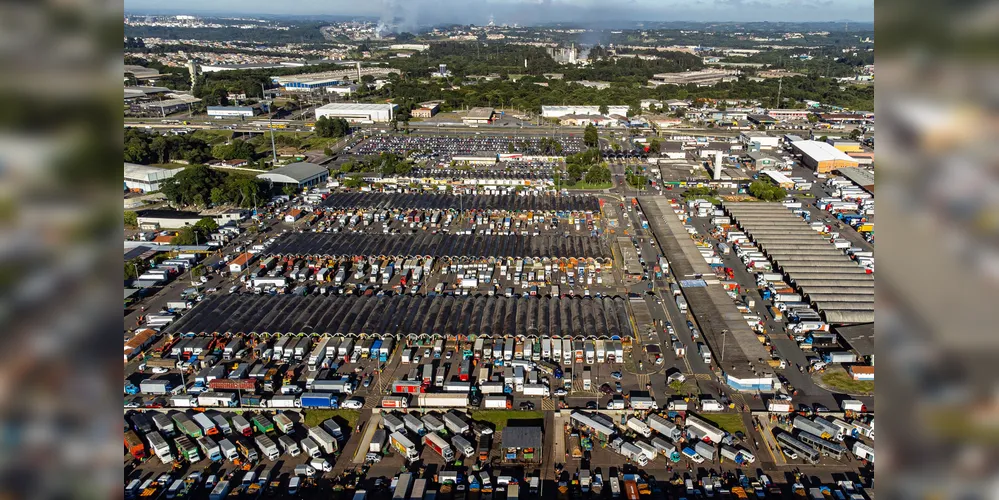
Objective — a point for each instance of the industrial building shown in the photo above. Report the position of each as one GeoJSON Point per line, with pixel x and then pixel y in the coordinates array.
{"type": "Point", "coordinates": [145, 179]}
{"type": "Point", "coordinates": [778, 178]}
{"type": "Point", "coordinates": [522, 444]}
{"type": "Point", "coordinates": [759, 141]}
{"type": "Point", "coordinates": [166, 106]}
{"type": "Point", "coordinates": [822, 157]}
{"type": "Point", "coordinates": [301, 175]}
{"type": "Point", "coordinates": [232, 111]}
{"type": "Point", "coordinates": [478, 116]}
{"type": "Point", "coordinates": [427, 109]}
{"type": "Point", "coordinates": [354, 112]}
{"type": "Point", "coordinates": [863, 178]}
{"type": "Point", "coordinates": [342, 90]}
{"type": "Point", "coordinates": [166, 219]}
{"type": "Point", "coordinates": [703, 78]}
{"type": "Point", "coordinates": [720, 322]}
{"type": "Point", "coordinates": [560, 111]}
{"type": "Point", "coordinates": [837, 287]}
{"type": "Point", "coordinates": [407, 315]}
{"type": "Point", "coordinates": [788, 114]}
{"type": "Point", "coordinates": [759, 160]}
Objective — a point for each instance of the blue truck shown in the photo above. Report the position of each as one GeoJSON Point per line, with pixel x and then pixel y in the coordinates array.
{"type": "Point", "coordinates": [374, 349]}
{"type": "Point", "coordinates": [318, 400]}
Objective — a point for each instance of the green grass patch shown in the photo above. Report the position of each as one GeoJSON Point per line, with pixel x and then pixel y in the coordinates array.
{"type": "Point", "coordinates": [728, 422]}
{"type": "Point", "coordinates": [213, 136]}
{"type": "Point", "coordinates": [842, 381]}
{"type": "Point", "coordinates": [585, 185]}
{"type": "Point", "coordinates": [315, 417]}
{"type": "Point", "coordinates": [502, 418]}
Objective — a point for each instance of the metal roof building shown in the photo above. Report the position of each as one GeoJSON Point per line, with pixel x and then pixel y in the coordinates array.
{"type": "Point", "coordinates": [719, 320]}
{"type": "Point", "coordinates": [300, 174]}
{"type": "Point", "coordinates": [822, 157]}
{"type": "Point", "coordinates": [145, 178]}
{"type": "Point", "coordinates": [836, 286]}
{"type": "Point", "coordinates": [410, 316]}
{"type": "Point", "coordinates": [440, 246]}
{"type": "Point", "coordinates": [388, 201]}
{"type": "Point", "coordinates": [358, 112]}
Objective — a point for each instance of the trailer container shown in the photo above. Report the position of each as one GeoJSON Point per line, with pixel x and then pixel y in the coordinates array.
{"type": "Point", "coordinates": [210, 448]}
{"type": "Point", "coordinates": [666, 428]}
{"type": "Point", "coordinates": [267, 447]}
{"type": "Point", "coordinates": [455, 422]}
{"type": "Point", "coordinates": [159, 447]}
{"type": "Point", "coordinates": [639, 427]}
{"type": "Point", "coordinates": [393, 423]}
{"type": "Point", "coordinates": [187, 449]}
{"type": "Point", "coordinates": [186, 425]}
{"type": "Point", "coordinates": [442, 400]}
{"type": "Point", "coordinates": [325, 441]}
{"type": "Point", "coordinates": [439, 445]}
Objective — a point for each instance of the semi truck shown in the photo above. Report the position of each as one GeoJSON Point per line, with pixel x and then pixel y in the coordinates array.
{"type": "Point", "coordinates": [395, 402]}
{"type": "Point", "coordinates": [442, 400]}
{"type": "Point", "coordinates": [404, 446]}
{"type": "Point", "coordinates": [438, 444]}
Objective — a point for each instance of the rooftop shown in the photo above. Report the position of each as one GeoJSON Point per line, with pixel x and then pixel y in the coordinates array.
{"type": "Point", "coordinates": [168, 214]}
{"type": "Point", "coordinates": [354, 106]}
{"type": "Point", "coordinates": [859, 176]}
{"type": "Point", "coordinates": [301, 171]}
{"type": "Point", "coordinates": [522, 437]}
{"type": "Point", "coordinates": [860, 337]}
{"type": "Point", "coordinates": [821, 151]}
{"type": "Point", "coordinates": [481, 113]}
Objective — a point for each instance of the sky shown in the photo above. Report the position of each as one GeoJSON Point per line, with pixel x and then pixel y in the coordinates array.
{"type": "Point", "coordinates": [431, 12]}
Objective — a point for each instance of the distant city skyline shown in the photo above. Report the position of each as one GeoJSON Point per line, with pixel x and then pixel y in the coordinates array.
{"type": "Point", "coordinates": [413, 13]}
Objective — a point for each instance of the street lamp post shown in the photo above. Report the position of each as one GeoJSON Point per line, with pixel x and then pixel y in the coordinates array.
{"type": "Point", "coordinates": [724, 341]}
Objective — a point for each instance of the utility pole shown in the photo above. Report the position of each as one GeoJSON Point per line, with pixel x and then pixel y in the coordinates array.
{"type": "Point", "coordinates": [270, 125]}
{"type": "Point", "coordinates": [780, 86]}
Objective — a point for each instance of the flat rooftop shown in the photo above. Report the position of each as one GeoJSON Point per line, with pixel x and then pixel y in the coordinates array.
{"type": "Point", "coordinates": [440, 245]}
{"type": "Point", "coordinates": [579, 317]}
{"type": "Point", "coordinates": [390, 201]}
{"type": "Point", "coordinates": [713, 309]}
{"type": "Point", "coordinates": [630, 256]}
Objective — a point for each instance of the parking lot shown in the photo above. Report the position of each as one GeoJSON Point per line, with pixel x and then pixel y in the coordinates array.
{"type": "Point", "coordinates": [440, 150]}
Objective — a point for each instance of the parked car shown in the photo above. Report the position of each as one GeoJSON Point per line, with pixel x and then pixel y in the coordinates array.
{"type": "Point", "coordinates": [353, 404]}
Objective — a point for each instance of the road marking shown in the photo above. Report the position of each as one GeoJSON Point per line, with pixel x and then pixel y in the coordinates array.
{"type": "Point", "coordinates": [702, 376]}
{"type": "Point", "coordinates": [547, 404]}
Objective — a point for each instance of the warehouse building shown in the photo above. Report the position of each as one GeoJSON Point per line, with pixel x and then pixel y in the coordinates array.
{"type": "Point", "coordinates": [427, 109]}
{"type": "Point", "coordinates": [151, 220]}
{"type": "Point", "coordinates": [232, 111]}
{"type": "Point", "coordinates": [522, 444]}
{"type": "Point", "coordinates": [145, 179]}
{"type": "Point", "coordinates": [822, 157]}
{"type": "Point", "coordinates": [354, 112]}
{"type": "Point", "coordinates": [478, 116]}
{"type": "Point", "coordinates": [166, 106]}
{"type": "Point", "coordinates": [560, 111]}
{"type": "Point", "coordinates": [779, 179]}
{"type": "Point", "coordinates": [301, 175]}
{"type": "Point", "coordinates": [412, 316]}
{"type": "Point", "coordinates": [837, 287]}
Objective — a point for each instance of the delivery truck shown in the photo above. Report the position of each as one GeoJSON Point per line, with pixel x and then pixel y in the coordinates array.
{"type": "Point", "coordinates": [405, 447]}
{"type": "Point", "coordinates": [267, 447]}
{"type": "Point", "coordinates": [439, 445]}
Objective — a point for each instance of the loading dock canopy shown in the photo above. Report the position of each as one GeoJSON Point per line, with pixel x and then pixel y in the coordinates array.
{"type": "Point", "coordinates": [406, 315]}
{"type": "Point", "coordinates": [389, 201]}
{"type": "Point", "coordinates": [439, 245]}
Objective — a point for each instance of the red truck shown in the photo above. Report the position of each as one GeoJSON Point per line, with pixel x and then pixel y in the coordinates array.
{"type": "Point", "coordinates": [134, 445]}
{"type": "Point", "coordinates": [233, 384]}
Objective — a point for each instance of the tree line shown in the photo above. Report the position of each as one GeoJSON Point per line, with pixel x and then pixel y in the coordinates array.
{"type": "Point", "coordinates": [201, 186]}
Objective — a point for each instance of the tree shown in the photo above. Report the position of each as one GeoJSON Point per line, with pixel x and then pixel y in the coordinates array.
{"type": "Point", "coordinates": [187, 236]}
{"type": "Point", "coordinates": [598, 174]}
{"type": "Point", "coordinates": [328, 151]}
{"type": "Point", "coordinates": [813, 118]}
{"type": "Point", "coordinates": [336, 127]}
{"type": "Point", "coordinates": [590, 136]}
{"type": "Point", "coordinates": [131, 219]}
{"type": "Point", "coordinates": [289, 190]}
{"type": "Point", "coordinates": [856, 134]}
{"type": "Point", "coordinates": [766, 191]}
{"type": "Point", "coordinates": [604, 109]}
{"type": "Point", "coordinates": [135, 267]}
{"type": "Point", "coordinates": [824, 138]}
{"type": "Point", "coordinates": [655, 146]}
{"type": "Point", "coordinates": [217, 196]}
{"type": "Point", "coordinates": [207, 225]}
{"type": "Point", "coordinates": [236, 149]}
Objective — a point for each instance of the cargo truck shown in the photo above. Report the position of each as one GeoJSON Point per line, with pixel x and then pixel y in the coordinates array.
{"type": "Point", "coordinates": [400, 486]}
{"type": "Point", "coordinates": [455, 423]}
{"type": "Point", "coordinates": [463, 446]}
{"type": "Point", "coordinates": [241, 426]}
{"type": "Point", "coordinates": [186, 425]}
{"type": "Point", "coordinates": [163, 424]}
{"type": "Point", "coordinates": [267, 447]}
{"type": "Point", "coordinates": [497, 402]}
{"type": "Point", "coordinates": [246, 449]}
{"type": "Point", "coordinates": [323, 439]}
{"type": "Point", "coordinates": [311, 448]}
{"type": "Point", "coordinates": [395, 402]}
{"type": "Point", "coordinates": [484, 445]}
{"type": "Point", "coordinates": [210, 448]}
{"type": "Point", "coordinates": [666, 428]}
{"type": "Point", "coordinates": [134, 445]}
{"type": "Point", "coordinates": [442, 400]}
{"type": "Point", "coordinates": [187, 449]}
{"type": "Point", "coordinates": [639, 427]}
{"type": "Point", "coordinates": [536, 390]}
{"type": "Point", "coordinates": [262, 424]}
{"type": "Point", "coordinates": [284, 424]}
{"type": "Point", "coordinates": [220, 491]}
{"type": "Point", "coordinates": [414, 424]}
{"type": "Point", "coordinates": [159, 447]}
{"type": "Point", "coordinates": [228, 449]}
{"type": "Point", "coordinates": [289, 446]}
{"type": "Point", "coordinates": [207, 425]}
{"type": "Point", "coordinates": [438, 444]}
{"type": "Point", "coordinates": [404, 446]}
